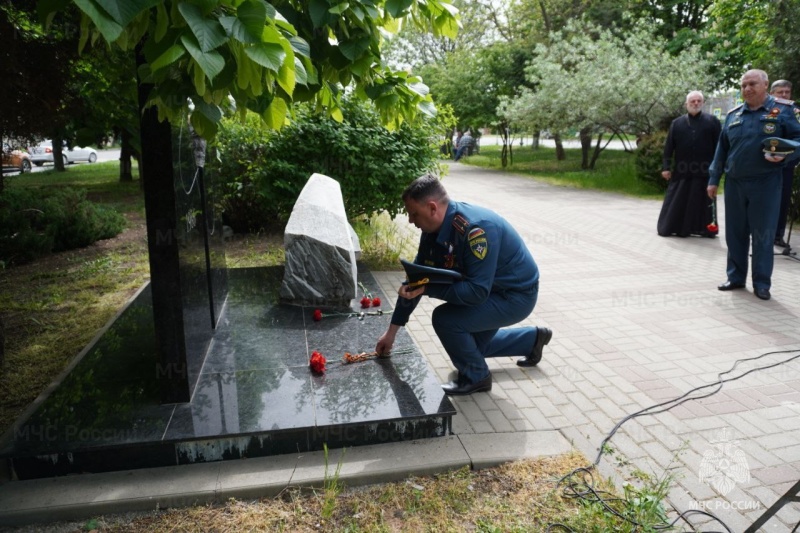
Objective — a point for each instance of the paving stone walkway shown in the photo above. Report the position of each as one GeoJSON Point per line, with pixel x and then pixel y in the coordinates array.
{"type": "Point", "coordinates": [637, 321]}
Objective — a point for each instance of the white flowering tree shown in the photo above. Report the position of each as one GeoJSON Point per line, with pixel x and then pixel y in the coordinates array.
{"type": "Point", "coordinates": [588, 78]}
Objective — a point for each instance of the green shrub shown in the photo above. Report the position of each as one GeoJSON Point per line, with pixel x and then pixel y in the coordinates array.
{"type": "Point", "coordinates": [36, 222]}
{"type": "Point", "coordinates": [649, 157]}
{"type": "Point", "coordinates": [259, 173]}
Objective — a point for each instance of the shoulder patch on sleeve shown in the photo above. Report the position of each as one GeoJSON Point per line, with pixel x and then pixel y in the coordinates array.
{"type": "Point", "coordinates": [460, 223]}
{"type": "Point", "coordinates": [475, 232]}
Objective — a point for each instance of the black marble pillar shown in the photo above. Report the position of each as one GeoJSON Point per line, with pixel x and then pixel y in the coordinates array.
{"type": "Point", "coordinates": [187, 263]}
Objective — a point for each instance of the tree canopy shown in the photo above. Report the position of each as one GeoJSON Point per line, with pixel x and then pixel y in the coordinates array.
{"type": "Point", "coordinates": [263, 56]}
{"type": "Point", "coordinates": [589, 77]}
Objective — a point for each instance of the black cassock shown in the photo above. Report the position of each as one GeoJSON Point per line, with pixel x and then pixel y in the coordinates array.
{"type": "Point", "coordinates": [692, 141]}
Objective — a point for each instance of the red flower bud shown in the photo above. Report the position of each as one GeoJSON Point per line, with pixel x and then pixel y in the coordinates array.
{"type": "Point", "coordinates": [712, 228]}
{"type": "Point", "coordinates": [376, 302]}
{"type": "Point", "coordinates": [317, 315]}
{"type": "Point", "coordinates": [317, 363]}
{"type": "Point", "coordinates": [365, 302]}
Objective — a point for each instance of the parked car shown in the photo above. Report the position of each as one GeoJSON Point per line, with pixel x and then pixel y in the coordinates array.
{"type": "Point", "coordinates": [43, 153]}
{"type": "Point", "coordinates": [15, 160]}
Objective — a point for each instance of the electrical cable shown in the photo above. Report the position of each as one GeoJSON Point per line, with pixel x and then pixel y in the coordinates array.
{"type": "Point", "coordinates": [584, 489]}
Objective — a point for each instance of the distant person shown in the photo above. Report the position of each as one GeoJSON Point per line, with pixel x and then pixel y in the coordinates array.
{"type": "Point", "coordinates": [499, 288]}
{"type": "Point", "coordinates": [692, 140]}
{"type": "Point", "coordinates": [782, 89]}
{"type": "Point", "coordinates": [465, 145]}
{"type": "Point", "coordinates": [753, 180]}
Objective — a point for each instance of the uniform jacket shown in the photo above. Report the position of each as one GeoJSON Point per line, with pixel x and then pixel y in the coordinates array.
{"type": "Point", "coordinates": [739, 151]}
{"type": "Point", "coordinates": [483, 247]}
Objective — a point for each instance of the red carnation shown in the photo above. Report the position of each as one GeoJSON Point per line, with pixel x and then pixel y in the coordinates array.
{"type": "Point", "coordinates": [317, 363]}
{"type": "Point", "coordinates": [365, 302]}
{"type": "Point", "coordinates": [317, 315]}
{"type": "Point", "coordinates": [376, 302]}
{"type": "Point", "coordinates": [713, 228]}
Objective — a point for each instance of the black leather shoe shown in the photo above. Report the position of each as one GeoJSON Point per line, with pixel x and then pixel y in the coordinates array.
{"type": "Point", "coordinates": [543, 336]}
{"type": "Point", "coordinates": [729, 286]}
{"type": "Point", "coordinates": [762, 293]}
{"type": "Point", "coordinates": [780, 243]}
{"type": "Point", "coordinates": [461, 388]}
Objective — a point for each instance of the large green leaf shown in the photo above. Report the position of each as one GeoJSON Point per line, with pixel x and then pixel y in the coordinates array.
{"type": "Point", "coordinates": [124, 11]}
{"type": "Point", "coordinates": [319, 12]}
{"type": "Point", "coordinates": [269, 55]}
{"type": "Point", "coordinates": [275, 115]}
{"type": "Point", "coordinates": [353, 49]}
{"type": "Point", "coordinates": [173, 53]}
{"type": "Point", "coordinates": [210, 111]}
{"type": "Point", "coordinates": [253, 14]}
{"type": "Point", "coordinates": [300, 46]}
{"type": "Point", "coordinates": [209, 32]}
{"type": "Point", "coordinates": [234, 27]}
{"type": "Point", "coordinates": [300, 74]}
{"type": "Point", "coordinates": [105, 23]}
{"type": "Point", "coordinates": [340, 8]}
{"type": "Point", "coordinates": [211, 62]}
{"type": "Point", "coordinates": [286, 78]}
{"type": "Point", "coordinates": [397, 8]}
{"type": "Point", "coordinates": [427, 108]}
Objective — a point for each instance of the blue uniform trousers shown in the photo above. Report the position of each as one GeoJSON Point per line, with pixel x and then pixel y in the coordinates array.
{"type": "Point", "coordinates": [751, 209]}
{"type": "Point", "coordinates": [471, 333]}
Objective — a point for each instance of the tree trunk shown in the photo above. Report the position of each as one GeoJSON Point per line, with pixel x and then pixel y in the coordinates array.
{"type": "Point", "coordinates": [586, 145]}
{"type": "Point", "coordinates": [535, 140]}
{"type": "Point", "coordinates": [58, 153]}
{"type": "Point", "coordinates": [504, 136]}
{"type": "Point", "coordinates": [125, 167]}
{"type": "Point", "coordinates": [561, 155]}
{"type": "Point", "coordinates": [597, 151]}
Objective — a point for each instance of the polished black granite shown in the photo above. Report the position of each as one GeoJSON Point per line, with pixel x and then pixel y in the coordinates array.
{"type": "Point", "coordinates": [255, 394]}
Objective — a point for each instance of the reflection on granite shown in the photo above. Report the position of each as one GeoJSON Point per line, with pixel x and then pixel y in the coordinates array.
{"type": "Point", "coordinates": [255, 393]}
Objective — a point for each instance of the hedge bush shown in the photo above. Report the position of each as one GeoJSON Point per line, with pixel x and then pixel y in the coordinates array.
{"type": "Point", "coordinates": [260, 173]}
{"type": "Point", "coordinates": [36, 222]}
{"type": "Point", "coordinates": [649, 157]}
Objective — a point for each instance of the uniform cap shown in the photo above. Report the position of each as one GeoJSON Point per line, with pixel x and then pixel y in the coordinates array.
{"type": "Point", "coordinates": [779, 146]}
{"type": "Point", "coordinates": [418, 275]}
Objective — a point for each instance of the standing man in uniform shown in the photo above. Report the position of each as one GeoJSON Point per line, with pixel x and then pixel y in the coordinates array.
{"type": "Point", "coordinates": [752, 180]}
{"type": "Point", "coordinates": [692, 140]}
{"type": "Point", "coordinates": [499, 288]}
{"type": "Point", "coordinates": [783, 89]}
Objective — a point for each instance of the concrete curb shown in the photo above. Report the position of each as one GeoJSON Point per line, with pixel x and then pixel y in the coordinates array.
{"type": "Point", "coordinates": [84, 496]}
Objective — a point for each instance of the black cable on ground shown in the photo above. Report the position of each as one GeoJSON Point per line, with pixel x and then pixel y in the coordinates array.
{"type": "Point", "coordinates": [579, 483]}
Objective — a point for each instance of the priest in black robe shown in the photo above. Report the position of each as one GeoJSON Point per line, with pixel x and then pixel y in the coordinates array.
{"type": "Point", "coordinates": [691, 142]}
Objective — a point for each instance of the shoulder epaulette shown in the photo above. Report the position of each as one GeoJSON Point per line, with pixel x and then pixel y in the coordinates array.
{"type": "Point", "coordinates": [460, 223]}
{"type": "Point", "coordinates": [735, 108]}
{"type": "Point", "coordinates": [784, 101]}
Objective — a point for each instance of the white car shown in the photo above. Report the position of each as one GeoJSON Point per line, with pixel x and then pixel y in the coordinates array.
{"type": "Point", "coordinates": [43, 153]}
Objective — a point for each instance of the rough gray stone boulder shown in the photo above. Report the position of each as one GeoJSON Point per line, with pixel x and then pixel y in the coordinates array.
{"type": "Point", "coordinates": [320, 256]}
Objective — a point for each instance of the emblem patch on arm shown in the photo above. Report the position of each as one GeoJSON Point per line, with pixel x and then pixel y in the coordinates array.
{"type": "Point", "coordinates": [477, 243]}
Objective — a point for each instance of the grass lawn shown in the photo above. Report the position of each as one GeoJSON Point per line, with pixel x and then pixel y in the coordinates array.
{"type": "Point", "coordinates": [614, 170]}
{"type": "Point", "coordinates": [51, 308]}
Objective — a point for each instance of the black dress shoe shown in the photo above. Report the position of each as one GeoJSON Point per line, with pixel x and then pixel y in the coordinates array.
{"type": "Point", "coordinates": [729, 286]}
{"type": "Point", "coordinates": [461, 388]}
{"type": "Point", "coordinates": [762, 293]}
{"type": "Point", "coordinates": [543, 336]}
{"type": "Point", "coordinates": [780, 243]}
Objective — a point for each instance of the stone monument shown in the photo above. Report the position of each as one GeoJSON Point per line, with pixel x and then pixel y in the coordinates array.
{"type": "Point", "coordinates": [320, 252]}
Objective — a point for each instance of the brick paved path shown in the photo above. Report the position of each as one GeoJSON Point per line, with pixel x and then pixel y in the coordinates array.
{"type": "Point", "coordinates": [637, 320]}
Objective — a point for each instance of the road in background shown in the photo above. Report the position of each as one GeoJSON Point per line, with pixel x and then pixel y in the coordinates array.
{"type": "Point", "coordinates": [102, 156]}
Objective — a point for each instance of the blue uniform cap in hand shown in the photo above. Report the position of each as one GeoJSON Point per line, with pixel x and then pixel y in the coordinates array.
{"type": "Point", "coordinates": [422, 275]}
{"type": "Point", "coordinates": [779, 146]}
